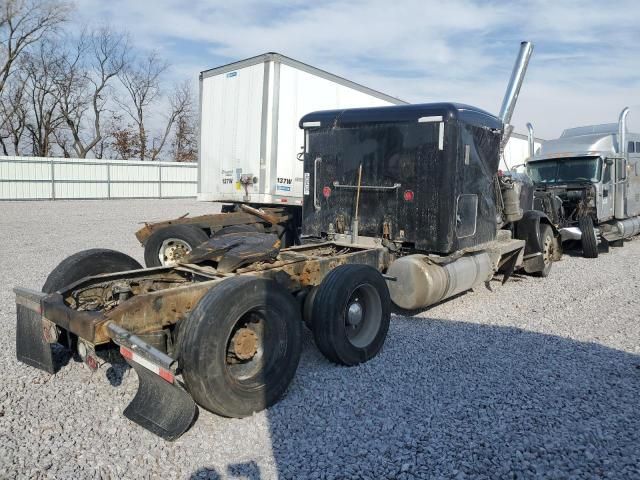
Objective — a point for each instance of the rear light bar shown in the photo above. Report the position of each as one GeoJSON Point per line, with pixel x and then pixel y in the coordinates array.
{"type": "Point", "coordinates": [149, 365]}
{"type": "Point", "coordinates": [134, 349]}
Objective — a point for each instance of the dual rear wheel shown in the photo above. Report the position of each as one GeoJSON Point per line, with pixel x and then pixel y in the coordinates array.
{"type": "Point", "coordinates": [239, 357]}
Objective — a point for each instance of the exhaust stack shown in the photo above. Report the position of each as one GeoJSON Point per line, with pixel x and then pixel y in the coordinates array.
{"type": "Point", "coordinates": [622, 131]}
{"type": "Point", "coordinates": [531, 140]}
{"type": "Point", "coordinates": [513, 89]}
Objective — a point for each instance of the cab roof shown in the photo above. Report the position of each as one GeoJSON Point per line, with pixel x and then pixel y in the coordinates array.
{"type": "Point", "coordinates": [402, 113]}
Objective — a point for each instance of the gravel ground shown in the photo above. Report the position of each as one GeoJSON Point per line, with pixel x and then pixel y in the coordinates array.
{"type": "Point", "coordinates": [534, 378]}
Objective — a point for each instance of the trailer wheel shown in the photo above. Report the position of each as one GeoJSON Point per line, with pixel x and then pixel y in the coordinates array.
{"type": "Point", "coordinates": [240, 347]}
{"type": "Point", "coordinates": [95, 261]}
{"type": "Point", "coordinates": [351, 312]}
{"type": "Point", "coordinates": [168, 245]}
{"type": "Point", "coordinates": [589, 239]}
{"type": "Point", "coordinates": [547, 241]}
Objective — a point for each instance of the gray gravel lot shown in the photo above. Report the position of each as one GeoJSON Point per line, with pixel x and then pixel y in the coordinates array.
{"type": "Point", "coordinates": [534, 378]}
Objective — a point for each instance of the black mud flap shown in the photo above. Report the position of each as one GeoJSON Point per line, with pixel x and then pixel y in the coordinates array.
{"type": "Point", "coordinates": [509, 265]}
{"type": "Point", "coordinates": [163, 408]}
{"type": "Point", "coordinates": [31, 346]}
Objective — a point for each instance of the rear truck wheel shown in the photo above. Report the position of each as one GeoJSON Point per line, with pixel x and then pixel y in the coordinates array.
{"type": "Point", "coordinates": [350, 315]}
{"type": "Point", "coordinates": [87, 263]}
{"type": "Point", "coordinates": [589, 239]}
{"type": "Point", "coordinates": [168, 245]}
{"type": "Point", "coordinates": [547, 243]}
{"type": "Point", "coordinates": [240, 347]}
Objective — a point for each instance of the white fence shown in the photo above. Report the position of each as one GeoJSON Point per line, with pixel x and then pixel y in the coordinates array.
{"type": "Point", "coordinates": [38, 178]}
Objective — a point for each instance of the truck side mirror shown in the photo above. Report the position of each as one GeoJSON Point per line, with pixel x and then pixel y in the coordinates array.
{"type": "Point", "coordinates": [608, 161]}
{"type": "Point", "coordinates": [605, 193]}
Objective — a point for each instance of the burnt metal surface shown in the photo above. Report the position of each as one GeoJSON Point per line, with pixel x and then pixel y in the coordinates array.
{"type": "Point", "coordinates": [214, 222]}
{"type": "Point", "coordinates": [235, 250]}
{"type": "Point", "coordinates": [161, 297]}
{"type": "Point", "coordinates": [551, 204]}
{"type": "Point", "coordinates": [436, 194]}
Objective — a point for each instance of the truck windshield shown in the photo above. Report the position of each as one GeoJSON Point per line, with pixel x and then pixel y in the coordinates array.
{"type": "Point", "coordinates": [565, 170]}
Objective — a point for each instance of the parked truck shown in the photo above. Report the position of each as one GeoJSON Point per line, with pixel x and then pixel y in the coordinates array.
{"type": "Point", "coordinates": [588, 182]}
{"type": "Point", "coordinates": [249, 148]}
{"type": "Point", "coordinates": [402, 205]}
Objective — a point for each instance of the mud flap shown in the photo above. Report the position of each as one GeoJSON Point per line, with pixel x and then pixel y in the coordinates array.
{"type": "Point", "coordinates": [31, 346]}
{"type": "Point", "coordinates": [163, 408]}
{"type": "Point", "coordinates": [509, 265]}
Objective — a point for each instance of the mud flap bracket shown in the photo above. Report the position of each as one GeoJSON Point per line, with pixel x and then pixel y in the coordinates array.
{"type": "Point", "coordinates": [161, 405]}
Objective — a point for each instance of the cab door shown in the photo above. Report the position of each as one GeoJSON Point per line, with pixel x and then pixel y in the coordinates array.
{"type": "Point", "coordinates": [605, 199]}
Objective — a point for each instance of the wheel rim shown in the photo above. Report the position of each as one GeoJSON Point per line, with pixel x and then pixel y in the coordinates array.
{"type": "Point", "coordinates": [172, 251]}
{"type": "Point", "coordinates": [363, 316]}
{"type": "Point", "coordinates": [254, 347]}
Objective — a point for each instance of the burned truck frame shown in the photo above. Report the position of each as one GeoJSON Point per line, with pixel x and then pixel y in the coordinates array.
{"type": "Point", "coordinates": [588, 181]}
{"type": "Point", "coordinates": [401, 204]}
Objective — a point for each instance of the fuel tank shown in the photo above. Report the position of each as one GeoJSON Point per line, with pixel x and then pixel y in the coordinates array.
{"type": "Point", "coordinates": [420, 282]}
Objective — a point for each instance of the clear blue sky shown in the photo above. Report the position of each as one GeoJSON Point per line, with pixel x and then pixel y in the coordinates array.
{"type": "Point", "coordinates": [585, 68]}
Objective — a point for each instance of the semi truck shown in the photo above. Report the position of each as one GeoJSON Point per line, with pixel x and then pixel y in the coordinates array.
{"type": "Point", "coordinates": [249, 148]}
{"type": "Point", "coordinates": [402, 205]}
{"type": "Point", "coordinates": [588, 182]}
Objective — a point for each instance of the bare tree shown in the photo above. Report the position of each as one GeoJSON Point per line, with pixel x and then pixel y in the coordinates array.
{"type": "Point", "coordinates": [85, 87]}
{"type": "Point", "coordinates": [184, 146]}
{"type": "Point", "coordinates": [13, 114]}
{"type": "Point", "coordinates": [43, 70]}
{"type": "Point", "coordinates": [142, 83]}
{"type": "Point", "coordinates": [23, 23]}
{"type": "Point", "coordinates": [180, 104]}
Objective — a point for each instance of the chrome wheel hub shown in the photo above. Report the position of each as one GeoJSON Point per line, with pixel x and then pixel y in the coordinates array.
{"type": "Point", "coordinates": [354, 314]}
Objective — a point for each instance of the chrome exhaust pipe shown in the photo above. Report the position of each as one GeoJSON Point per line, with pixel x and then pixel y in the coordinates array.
{"type": "Point", "coordinates": [622, 131]}
{"type": "Point", "coordinates": [515, 83]}
{"type": "Point", "coordinates": [513, 90]}
{"type": "Point", "coordinates": [531, 140]}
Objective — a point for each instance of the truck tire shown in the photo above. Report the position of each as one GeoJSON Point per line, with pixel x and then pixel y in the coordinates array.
{"type": "Point", "coordinates": [589, 240]}
{"type": "Point", "coordinates": [546, 241]}
{"type": "Point", "coordinates": [240, 347]}
{"type": "Point", "coordinates": [351, 312]}
{"type": "Point", "coordinates": [166, 246]}
{"type": "Point", "coordinates": [85, 264]}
